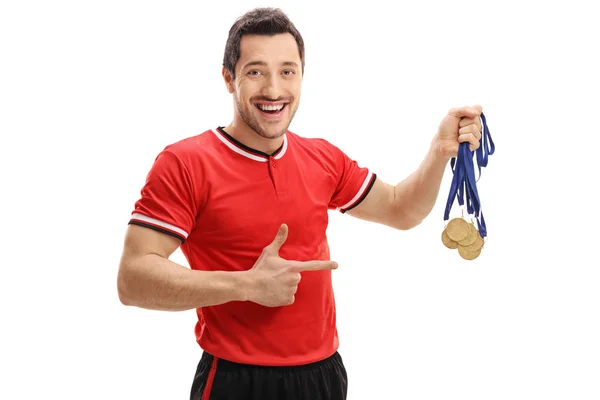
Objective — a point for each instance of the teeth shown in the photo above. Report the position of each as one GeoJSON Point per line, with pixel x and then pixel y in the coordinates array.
{"type": "Point", "coordinates": [266, 107]}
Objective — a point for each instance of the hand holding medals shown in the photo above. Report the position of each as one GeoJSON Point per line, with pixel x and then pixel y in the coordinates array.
{"type": "Point", "coordinates": [459, 234]}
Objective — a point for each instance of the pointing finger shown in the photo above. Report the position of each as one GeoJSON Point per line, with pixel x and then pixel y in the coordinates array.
{"type": "Point", "coordinates": [299, 266]}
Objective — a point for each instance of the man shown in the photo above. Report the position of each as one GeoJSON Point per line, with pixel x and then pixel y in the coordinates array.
{"type": "Point", "coordinates": [248, 204]}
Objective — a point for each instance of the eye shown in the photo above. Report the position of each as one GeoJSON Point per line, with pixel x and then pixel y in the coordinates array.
{"type": "Point", "coordinates": [254, 72]}
{"type": "Point", "coordinates": [289, 72]}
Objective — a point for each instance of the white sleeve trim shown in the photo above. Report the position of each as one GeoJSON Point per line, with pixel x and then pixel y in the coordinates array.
{"type": "Point", "coordinates": [154, 221]}
{"type": "Point", "coordinates": [359, 193]}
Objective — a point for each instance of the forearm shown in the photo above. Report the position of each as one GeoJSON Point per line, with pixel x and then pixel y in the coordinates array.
{"type": "Point", "coordinates": [154, 282]}
{"type": "Point", "coordinates": [416, 195]}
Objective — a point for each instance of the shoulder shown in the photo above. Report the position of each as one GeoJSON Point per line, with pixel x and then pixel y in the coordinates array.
{"type": "Point", "coordinates": [192, 145]}
{"type": "Point", "coordinates": [316, 145]}
{"type": "Point", "coordinates": [191, 150]}
{"type": "Point", "coordinates": [187, 155]}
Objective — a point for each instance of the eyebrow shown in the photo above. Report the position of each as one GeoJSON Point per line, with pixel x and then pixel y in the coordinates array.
{"type": "Point", "coordinates": [264, 64]}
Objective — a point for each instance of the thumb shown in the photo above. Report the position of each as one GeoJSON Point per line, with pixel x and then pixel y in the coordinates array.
{"type": "Point", "coordinates": [279, 238]}
{"type": "Point", "coordinates": [470, 112]}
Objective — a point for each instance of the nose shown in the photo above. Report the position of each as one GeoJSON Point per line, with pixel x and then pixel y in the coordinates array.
{"type": "Point", "coordinates": [272, 87]}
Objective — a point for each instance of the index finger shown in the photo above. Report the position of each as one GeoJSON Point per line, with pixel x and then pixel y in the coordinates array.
{"type": "Point", "coordinates": [299, 266]}
{"type": "Point", "coordinates": [467, 121]}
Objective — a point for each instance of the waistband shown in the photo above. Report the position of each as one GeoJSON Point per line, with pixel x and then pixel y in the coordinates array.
{"type": "Point", "coordinates": [226, 365]}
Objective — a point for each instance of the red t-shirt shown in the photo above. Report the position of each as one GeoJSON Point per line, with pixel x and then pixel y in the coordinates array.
{"type": "Point", "coordinates": [225, 202]}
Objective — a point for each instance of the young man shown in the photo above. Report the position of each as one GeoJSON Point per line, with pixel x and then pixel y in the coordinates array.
{"type": "Point", "coordinates": [248, 204]}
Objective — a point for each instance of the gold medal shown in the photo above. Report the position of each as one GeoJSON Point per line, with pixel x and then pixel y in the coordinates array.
{"type": "Point", "coordinates": [468, 255]}
{"type": "Point", "coordinates": [471, 244]}
{"type": "Point", "coordinates": [476, 245]}
{"type": "Point", "coordinates": [449, 243]}
{"type": "Point", "coordinates": [457, 229]}
{"type": "Point", "coordinates": [471, 236]}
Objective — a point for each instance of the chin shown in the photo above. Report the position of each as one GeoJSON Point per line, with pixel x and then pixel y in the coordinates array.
{"type": "Point", "coordinates": [272, 133]}
{"type": "Point", "coordinates": [271, 130]}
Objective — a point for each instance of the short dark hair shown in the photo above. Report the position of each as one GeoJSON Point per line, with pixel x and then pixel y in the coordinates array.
{"type": "Point", "coordinates": [259, 21]}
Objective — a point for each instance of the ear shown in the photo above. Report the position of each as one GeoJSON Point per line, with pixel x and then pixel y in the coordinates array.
{"type": "Point", "coordinates": [228, 80]}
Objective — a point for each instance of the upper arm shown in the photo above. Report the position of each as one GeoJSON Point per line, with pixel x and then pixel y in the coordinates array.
{"type": "Point", "coordinates": [382, 205]}
{"type": "Point", "coordinates": [141, 241]}
{"type": "Point", "coordinates": [377, 206]}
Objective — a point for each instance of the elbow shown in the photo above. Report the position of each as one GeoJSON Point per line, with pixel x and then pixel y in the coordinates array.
{"type": "Point", "coordinates": [413, 223]}
{"type": "Point", "coordinates": [403, 221]}
{"type": "Point", "coordinates": [405, 225]}
{"type": "Point", "coordinates": [124, 296]}
{"type": "Point", "coordinates": [124, 288]}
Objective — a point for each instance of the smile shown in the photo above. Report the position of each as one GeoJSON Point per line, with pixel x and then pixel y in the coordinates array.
{"type": "Point", "coordinates": [271, 109]}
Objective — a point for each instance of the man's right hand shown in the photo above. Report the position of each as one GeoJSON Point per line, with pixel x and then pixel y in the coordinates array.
{"type": "Point", "coordinates": [275, 280]}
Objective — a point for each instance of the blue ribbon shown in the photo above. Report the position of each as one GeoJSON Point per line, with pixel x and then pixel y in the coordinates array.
{"type": "Point", "coordinates": [464, 184]}
{"type": "Point", "coordinates": [487, 146]}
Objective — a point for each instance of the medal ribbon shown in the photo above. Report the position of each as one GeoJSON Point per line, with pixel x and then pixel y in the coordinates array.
{"type": "Point", "coordinates": [464, 184]}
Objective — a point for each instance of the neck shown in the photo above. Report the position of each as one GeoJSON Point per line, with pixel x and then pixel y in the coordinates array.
{"type": "Point", "coordinates": [247, 136]}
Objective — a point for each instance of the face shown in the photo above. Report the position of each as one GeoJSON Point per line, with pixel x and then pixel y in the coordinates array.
{"type": "Point", "coordinates": [266, 89]}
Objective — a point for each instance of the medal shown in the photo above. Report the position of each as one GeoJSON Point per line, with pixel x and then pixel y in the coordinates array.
{"type": "Point", "coordinates": [471, 236]}
{"type": "Point", "coordinates": [449, 243]}
{"type": "Point", "coordinates": [458, 229]}
{"type": "Point", "coordinates": [459, 234]}
{"type": "Point", "coordinates": [476, 245]}
{"type": "Point", "coordinates": [468, 255]}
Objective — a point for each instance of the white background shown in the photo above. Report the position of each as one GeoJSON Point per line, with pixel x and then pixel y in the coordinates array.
{"type": "Point", "coordinates": [90, 92]}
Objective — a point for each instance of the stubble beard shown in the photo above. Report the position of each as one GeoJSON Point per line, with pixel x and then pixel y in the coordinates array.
{"type": "Point", "coordinates": [255, 125]}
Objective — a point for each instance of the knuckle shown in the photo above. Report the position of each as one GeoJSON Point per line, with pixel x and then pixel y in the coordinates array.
{"type": "Point", "coordinates": [466, 121]}
{"type": "Point", "coordinates": [288, 267]}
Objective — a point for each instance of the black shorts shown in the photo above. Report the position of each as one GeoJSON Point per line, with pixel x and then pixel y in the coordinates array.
{"type": "Point", "coordinates": [218, 379]}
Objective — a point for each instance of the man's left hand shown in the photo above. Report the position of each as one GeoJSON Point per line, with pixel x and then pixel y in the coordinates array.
{"type": "Point", "coordinates": [462, 124]}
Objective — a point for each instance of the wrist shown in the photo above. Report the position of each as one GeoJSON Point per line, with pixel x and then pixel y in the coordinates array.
{"type": "Point", "coordinates": [440, 152]}
{"type": "Point", "coordinates": [244, 285]}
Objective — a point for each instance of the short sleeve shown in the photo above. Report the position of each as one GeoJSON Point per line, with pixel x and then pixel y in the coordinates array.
{"type": "Point", "coordinates": [353, 182]}
{"type": "Point", "coordinates": [167, 203]}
